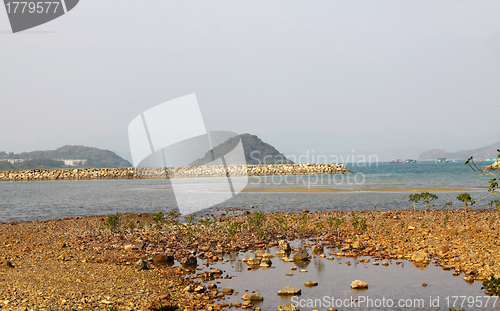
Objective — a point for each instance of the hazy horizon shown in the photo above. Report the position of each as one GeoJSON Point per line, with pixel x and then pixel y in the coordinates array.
{"type": "Point", "coordinates": [386, 75]}
{"type": "Point", "coordinates": [294, 143]}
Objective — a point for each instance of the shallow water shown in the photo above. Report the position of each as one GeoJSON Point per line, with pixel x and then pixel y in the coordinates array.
{"type": "Point", "coordinates": [54, 199]}
{"type": "Point", "coordinates": [396, 283]}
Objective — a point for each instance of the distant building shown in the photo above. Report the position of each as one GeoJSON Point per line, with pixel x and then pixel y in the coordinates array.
{"type": "Point", "coordinates": [442, 160]}
{"type": "Point", "coordinates": [13, 161]}
{"type": "Point", "coordinates": [73, 162]}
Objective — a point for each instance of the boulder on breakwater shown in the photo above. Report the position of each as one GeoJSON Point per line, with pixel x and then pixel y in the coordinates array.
{"type": "Point", "coordinates": [493, 167]}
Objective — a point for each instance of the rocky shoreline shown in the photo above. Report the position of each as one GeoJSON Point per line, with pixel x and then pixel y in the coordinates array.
{"type": "Point", "coordinates": [175, 172]}
{"type": "Point", "coordinates": [125, 261]}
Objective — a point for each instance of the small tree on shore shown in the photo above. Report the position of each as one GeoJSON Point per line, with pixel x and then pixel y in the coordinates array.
{"type": "Point", "coordinates": [158, 218]}
{"type": "Point", "coordinates": [113, 222]}
{"type": "Point", "coordinates": [467, 199]}
{"type": "Point", "coordinates": [424, 196]}
{"type": "Point", "coordinates": [427, 197]}
{"type": "Point", "coordinates": [492, 189]}
{"type": "Point", "coordinates": [415, 197]}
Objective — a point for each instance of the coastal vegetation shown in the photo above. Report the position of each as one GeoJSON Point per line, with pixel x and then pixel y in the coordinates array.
{"type": "Point", "coordinates": [426, 197]}
{"type": "Point", "coordinates": [492, 189]}
{"type": "Point", "coordinates": [113, 222]}
{"type": "Point", "coordinates": [465, 198]}
{"type": "Point", "coordinates": [492, 285]}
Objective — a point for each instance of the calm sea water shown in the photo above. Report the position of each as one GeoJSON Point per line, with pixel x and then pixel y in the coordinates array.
{"type": "Point", "coordinates": [374, 188]}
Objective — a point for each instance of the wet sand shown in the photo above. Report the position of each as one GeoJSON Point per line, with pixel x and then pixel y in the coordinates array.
{"type": "Point", "coordinates": [337, 190]}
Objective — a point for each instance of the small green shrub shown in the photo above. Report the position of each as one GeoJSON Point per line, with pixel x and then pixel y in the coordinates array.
{"type": "Point", "coordinates": [495, 203]}
{"type": "Point", "coordinates": [415, 197]}
{"type": "Point", "coordinates": [282, 223]}
{"type": "Point", "coordinates": [158, 217]}
{"type": "Point", "coordinates": [427, 197]}
{"type": "Point", "coordinates": [491, 286]}
{"type": "Point", "coordinates": [114, 221]}
{"type": "Point", "coordinates": [191, 219]}
{"type": "Point", "coordinates": [467, 199]}
{"type": "Point", "coordinates": [358, 223]}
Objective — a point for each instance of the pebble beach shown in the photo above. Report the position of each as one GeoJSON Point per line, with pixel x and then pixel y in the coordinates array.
{"type": "Point", "coordinates": [142, 262]}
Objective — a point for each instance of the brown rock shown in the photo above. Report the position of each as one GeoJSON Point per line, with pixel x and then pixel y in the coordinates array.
{"type": "Point", "coordinates": [288, 307]}
{"type": "Point", "coordinates": [289, 290]}
{"type": "Point", "coordinates": [311, 283]}
{"type": "Point", "coordinates": [228, 291]}
{"type": "Point", "coordinates": [358, 285]}
{"type": "Point", "coordinates": [252, 297]}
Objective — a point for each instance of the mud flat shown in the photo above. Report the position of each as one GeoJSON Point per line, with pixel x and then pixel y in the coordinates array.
{"type": "Point", "coordinates": [134, 263]}
{"type": "Point", "coordinates": [339, 190]}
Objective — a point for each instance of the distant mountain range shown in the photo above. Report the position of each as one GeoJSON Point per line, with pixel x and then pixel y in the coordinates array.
{"type": "Point", "coordinates": [487, 152]}
{"type": "Point", "coordinates": [300, 144]}
{"type": "Point", "coordinates": [385, 144]}
{"type": "Point", "coordinates": [256, 151]}
{"type": "Point", "coordinates": [64, 157]}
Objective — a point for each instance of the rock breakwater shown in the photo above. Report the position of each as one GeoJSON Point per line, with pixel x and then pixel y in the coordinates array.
{"type": "Point", "coordinates": [493, 167]}
{"type": "Point", "coordinates": [173, 172]}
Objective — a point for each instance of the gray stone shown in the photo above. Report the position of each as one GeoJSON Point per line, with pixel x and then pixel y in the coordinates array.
{"type": "Point", "coordinates": [281, 253]}
{"type": "Point", "coordinates": [289, 290]}
{"type": "Point", "coordinates": [359, 285]}
{"type": "Point", "coordinates": [288, 307]}
{"type": "Point", "coordinates": [252, 297]}
{"type": "Point", "coordinates": [259, 253]}
{"type": "Point", "coordinates": [265, 262]}
{"type": "Point", "coordinates": [6, 264]}
{"type": "Point", "coordinates": [141, 265]}
{"type": "Point", "coordinates": [253, 261]}
{"type": "Point", "coordinates": [228, 291]}
{"type": "Point", "coordinates": [284, 246]}
{"type": "Point", "coordinates": [317, 249]}
{"type": "Point", "coordinates": [311, 283]}
{"type": "Point", "coordinates": [301, 254]}
{"type": "Point", "coordinates": [190, 261]}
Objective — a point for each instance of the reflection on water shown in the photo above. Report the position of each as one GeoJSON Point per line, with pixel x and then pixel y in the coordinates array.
{"type": "Point", "coordinates": [399, 280]}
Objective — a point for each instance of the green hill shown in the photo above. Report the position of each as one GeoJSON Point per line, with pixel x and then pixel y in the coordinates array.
{"type": "Point", "coordinates": [94, 158]}
{"type": "Point", "coordinates": [256, 151]}
{"type": "Point", "coordinates": [480, 153]}
{"type": "Point", "coordinates": [6, 166]}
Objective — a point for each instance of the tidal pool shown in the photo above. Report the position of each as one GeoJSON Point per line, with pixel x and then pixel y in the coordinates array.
{"type": "Point", "coordinates": [397, 286]}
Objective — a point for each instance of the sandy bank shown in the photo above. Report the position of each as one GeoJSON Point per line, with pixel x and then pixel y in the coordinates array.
{"type": "Point", "coordinates": [384, 189]}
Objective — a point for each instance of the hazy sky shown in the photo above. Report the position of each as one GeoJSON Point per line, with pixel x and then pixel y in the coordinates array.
{"type": "Point", "coordinates": [256, 66]}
